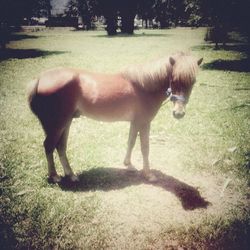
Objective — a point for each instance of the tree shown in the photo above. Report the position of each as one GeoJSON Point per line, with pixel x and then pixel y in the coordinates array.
{"type": "Point", "coordinates": [127, 10]}
{"type": "Point", "coordinates": [241, 17]}
{"type": "Point", "coordinates": [72, 9]}
{"type": "Point", "coordinates": [109, 8]}
{"type": "Point", "coordinates": [164, 12]}
{"type": "Point", "coordinates": [218, 15]}
{"type": "Point", "coordinates": [146, 10]}
{"type": "Point", "coordinates": [87, 10]}
{"type": "Point", "coordinates": [44, 8]}
{"type": "Point", "coordinates": [12, 13]}
{"type": "Point", "coordinates": [193, 12]}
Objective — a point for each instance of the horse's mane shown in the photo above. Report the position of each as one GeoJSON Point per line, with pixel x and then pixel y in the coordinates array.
{"type": "Point", "coordinates": [150, 76]}
{"type": "Point", "coordinates": [154, 75]}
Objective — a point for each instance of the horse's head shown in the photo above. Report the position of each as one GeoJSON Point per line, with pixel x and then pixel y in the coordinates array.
{"type": "Point", "coordinates": [184, 70]}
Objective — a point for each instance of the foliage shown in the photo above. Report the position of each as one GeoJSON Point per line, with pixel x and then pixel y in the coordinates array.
{"type": "Point", "coordinates": [193, 12]}
{"type": "Point", "coordinates": [222, 15]}
{"type": "Point", "coordinates": [109, 9]}
{"type": "Point", "coordinates": [146, 9]}
{"type": "Point", "coordinates": [13, 11]}
{"type": "Point", "coordinates": [87, 10]}
{"type": "Point", "coordinates": [163, 13]}
{"type": "Point", "coordinates": [127, 11]}
{"type": "Point", "coordinates": [72, 8]}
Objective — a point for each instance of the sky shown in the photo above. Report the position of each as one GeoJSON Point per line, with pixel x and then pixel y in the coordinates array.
{"type": "Point", "coordinates": [58, 6]}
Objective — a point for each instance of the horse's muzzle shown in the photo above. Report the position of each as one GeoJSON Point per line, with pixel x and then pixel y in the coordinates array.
{"type": "Point", "coordinates": [178, 114]}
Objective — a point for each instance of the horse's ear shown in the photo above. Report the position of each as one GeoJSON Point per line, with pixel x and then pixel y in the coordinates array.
{"type": "Point", "coordinates": [172, 60]}
{"type": "Point", "coordinates": [199, 61]}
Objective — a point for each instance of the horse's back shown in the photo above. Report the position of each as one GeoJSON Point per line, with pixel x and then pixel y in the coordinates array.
{"type": "Point", "coordinates": [99, 87]}
{"type": "Point", "coordinates": [54, 80]}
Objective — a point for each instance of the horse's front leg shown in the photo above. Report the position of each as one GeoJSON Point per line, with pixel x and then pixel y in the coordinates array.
{"type": "Point", "coordinates": [144, 137]}
{"type": "Point", "coordinates": [131, 143]}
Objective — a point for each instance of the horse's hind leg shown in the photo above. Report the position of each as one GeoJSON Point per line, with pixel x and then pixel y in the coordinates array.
{"type": "Point", "coordinates": [131, 142]}
{"type": "Point", "coordinates": [49, 146]}
{"type": "Point", "coordinates": [61, 149]}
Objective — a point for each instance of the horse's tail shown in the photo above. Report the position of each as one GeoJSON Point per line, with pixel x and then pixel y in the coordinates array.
{"type": "Point", "coordinates": [32, 93]}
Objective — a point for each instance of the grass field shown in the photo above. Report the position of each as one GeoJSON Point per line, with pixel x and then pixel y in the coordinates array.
{"type": "Point", "coordinates": [201, 198]}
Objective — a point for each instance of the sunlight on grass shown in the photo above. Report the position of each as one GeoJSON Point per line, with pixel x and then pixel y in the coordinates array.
{"type": "Point", "coordinates": [113, 209]}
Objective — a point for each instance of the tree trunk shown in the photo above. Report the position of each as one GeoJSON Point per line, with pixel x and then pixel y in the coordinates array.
{"type": "Point", "coordinates": [4, 35]}
{"type": "Point", "coordinates": [111, 21]}
{"type": "Point", "coordinates": [127, 25]}
{"type": "Point", "coordinates": [86, 18]}
{"type": "Point", "coordinates": [163, 23]}
{"type": "Point", "coordinates": [110, 9]}
{"type": "Point", "coordinates": [49, 7]}
{"type": "Point", "coordinates": [127, 22]}
{"type": "Point", "coordinates": [127, 12]}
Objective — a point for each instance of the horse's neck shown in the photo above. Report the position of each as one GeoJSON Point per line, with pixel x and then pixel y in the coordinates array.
{"type": "Point", "coordinates": [151, 76]}
{"type": "Point", "coordinates": [154, 103]}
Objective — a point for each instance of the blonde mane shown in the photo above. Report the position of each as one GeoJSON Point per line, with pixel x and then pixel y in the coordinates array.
{"type": "Point", "coordinates": [154, 75]}
{"type": "Point", "coordinates": [150, 76]}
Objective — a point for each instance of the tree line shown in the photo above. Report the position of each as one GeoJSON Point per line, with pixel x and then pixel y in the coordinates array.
{"type": "Point", "coordinates": [220, 14]}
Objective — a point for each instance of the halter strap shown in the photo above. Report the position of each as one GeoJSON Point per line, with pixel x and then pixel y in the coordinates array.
{"type": "Point", "coordinates": [174, 98]}
{"type": "Point", "coordinates": [180, 98]}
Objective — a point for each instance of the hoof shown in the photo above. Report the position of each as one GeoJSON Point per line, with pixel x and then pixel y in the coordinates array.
{"type": "Point", "coordinates": [72, 178]}
{"type": "Point", "coordinates": [131, 168]}
{"type": "Point", "coordinates": [150, 177]}
{"type": "Point", "coordinates": [55, 178]}
{"type": "Point", "coordinates": [127, 163]}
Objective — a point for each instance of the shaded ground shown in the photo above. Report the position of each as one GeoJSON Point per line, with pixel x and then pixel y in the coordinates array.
{"type": "Point", "coordinates": [242, 65]}
{"type": "Point", "coordinates": [26, 53]}
{"type": "Point", "coordinates": [112, 179]}
{"type": "Point", "coordinates": [238, 65]}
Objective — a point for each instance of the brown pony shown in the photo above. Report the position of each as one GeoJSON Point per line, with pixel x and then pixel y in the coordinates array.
{"type": "Point", "coordinates": [135, 95]}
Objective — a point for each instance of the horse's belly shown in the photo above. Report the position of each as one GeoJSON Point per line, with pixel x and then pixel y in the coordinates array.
{"type": "Point", "coordinates": [112, 100]}
{"type": "Point", "coordinates": [109, 113]}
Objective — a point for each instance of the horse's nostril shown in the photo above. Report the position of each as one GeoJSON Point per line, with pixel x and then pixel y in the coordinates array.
{"type": "Point", "coordinates": [178, 115]}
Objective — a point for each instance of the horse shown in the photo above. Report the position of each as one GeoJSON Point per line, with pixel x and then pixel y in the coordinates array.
{"type": "Point", "coordinates": [135, 94]}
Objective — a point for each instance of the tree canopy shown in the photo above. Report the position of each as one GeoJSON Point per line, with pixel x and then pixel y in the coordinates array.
{"type": "Point", "coordinates": [223, 13]}
{"type": "Point", "coordinates": [13, 11]}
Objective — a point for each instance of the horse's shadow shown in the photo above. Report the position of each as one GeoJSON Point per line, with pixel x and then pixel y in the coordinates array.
{"type": "Point", "coordinates": [107, 179]}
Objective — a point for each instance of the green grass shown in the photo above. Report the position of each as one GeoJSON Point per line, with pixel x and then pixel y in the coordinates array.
{"type": "Point", "coordinates": [112, 209]}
